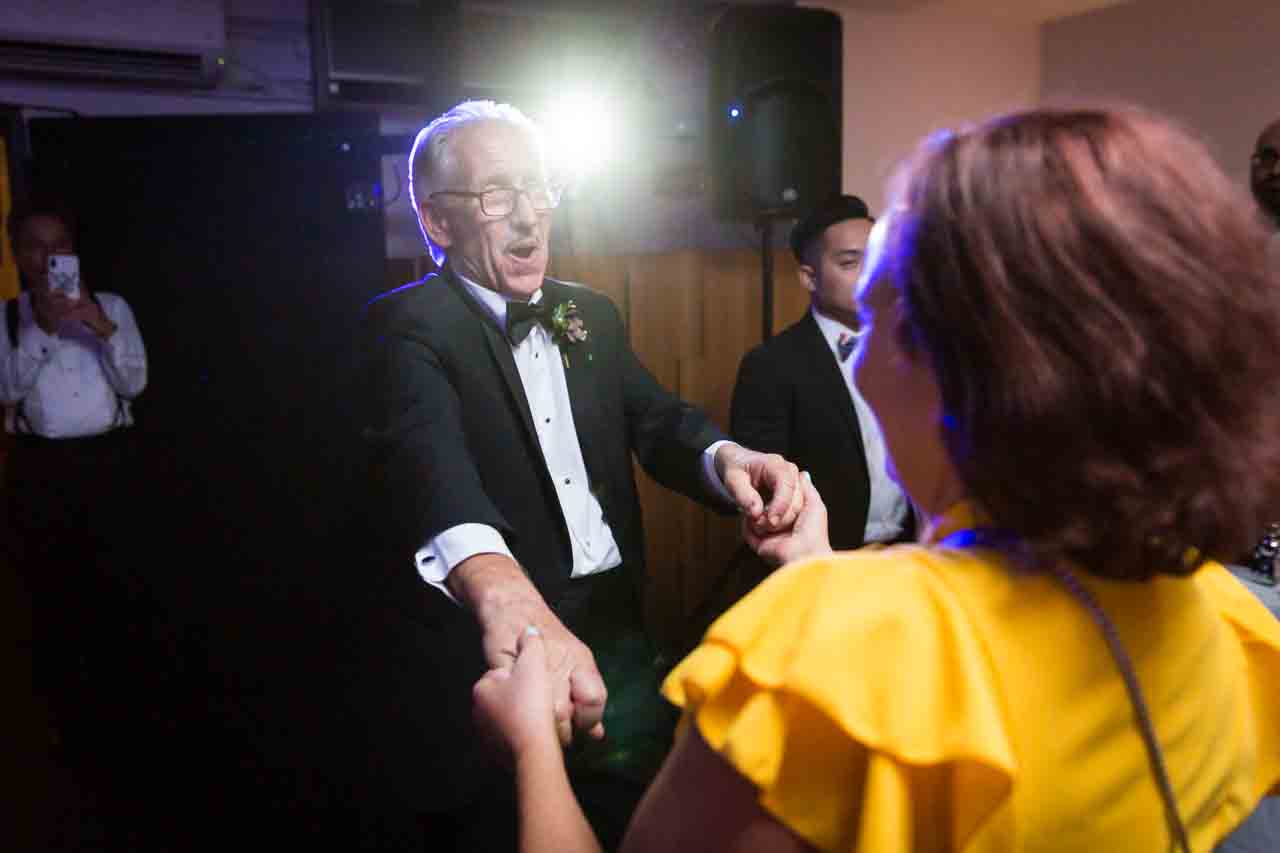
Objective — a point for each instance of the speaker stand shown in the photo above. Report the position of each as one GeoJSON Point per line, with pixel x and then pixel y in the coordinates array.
{"type": "Point", "coordinates": [765, 224]}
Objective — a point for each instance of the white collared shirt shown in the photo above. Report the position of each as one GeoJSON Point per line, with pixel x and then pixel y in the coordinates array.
{"type": "Point", "coordinates": [71, 384]}
{"type": "Point", "coordinates": [541, 372]}
{"type": "Point", "coordinates": [888, 509]}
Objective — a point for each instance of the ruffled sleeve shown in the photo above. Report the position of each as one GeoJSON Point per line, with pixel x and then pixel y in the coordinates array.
{"type": "Point", "coordinates": [1258, 633]}
{"type": "Point", "coordinates": [856, 695]}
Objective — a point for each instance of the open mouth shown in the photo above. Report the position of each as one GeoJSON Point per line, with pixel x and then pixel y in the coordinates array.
{"type": "Point", "coordinates": [524, 252]}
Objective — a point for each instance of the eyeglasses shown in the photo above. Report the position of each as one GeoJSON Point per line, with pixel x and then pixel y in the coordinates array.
{"type": "Point", "coordinates": [500, 201]}
{"type": "Point", "coordinates": [1265, 158]}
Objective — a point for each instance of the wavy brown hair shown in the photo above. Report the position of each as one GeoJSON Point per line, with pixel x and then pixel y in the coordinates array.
{"type": "Point", "coordinates": [1092, 293]}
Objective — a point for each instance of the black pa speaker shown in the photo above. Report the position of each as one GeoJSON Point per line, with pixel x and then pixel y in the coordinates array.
{"type": "Point", "coordinates": [774, 110]}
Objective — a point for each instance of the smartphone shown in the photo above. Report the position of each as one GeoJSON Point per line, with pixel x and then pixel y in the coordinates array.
{"type": "Point", "coordinates": [64, 275]}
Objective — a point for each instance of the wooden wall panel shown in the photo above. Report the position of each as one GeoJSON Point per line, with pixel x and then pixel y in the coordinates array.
{"type": "Point", "coordinates": [600, 272]}
{"type": "Point", "coordinates": [730, 322]}
{"type": "Point", "coordinates": [660, 337]}
{"type": "Point", "coordinates": [790, 299]}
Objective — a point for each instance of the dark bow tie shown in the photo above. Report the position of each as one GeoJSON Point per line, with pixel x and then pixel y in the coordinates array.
{"type": "Point", "coordinates": [845, 345]}
{"type": "Point", "coordinates": [522, 317]}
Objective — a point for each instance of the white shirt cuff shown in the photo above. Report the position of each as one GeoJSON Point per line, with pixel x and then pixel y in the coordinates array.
{"type": "Point", "coordinates": [710, 477]}
{"type": "Point", "coordinates": [437, 558]}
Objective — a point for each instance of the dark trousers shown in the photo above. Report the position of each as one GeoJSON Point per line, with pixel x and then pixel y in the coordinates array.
{"type": "Point", "coordinates": [74, 533]}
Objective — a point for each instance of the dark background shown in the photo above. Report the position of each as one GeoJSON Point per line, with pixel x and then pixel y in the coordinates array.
{"type": "Point", "coordinates": [247, 247]}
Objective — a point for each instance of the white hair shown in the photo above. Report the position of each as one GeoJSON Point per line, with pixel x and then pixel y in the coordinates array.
{"type": "Point", "coordinates": [432, 159]}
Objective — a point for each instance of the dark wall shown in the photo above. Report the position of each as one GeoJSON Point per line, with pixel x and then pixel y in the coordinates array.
{"type": "Point", "coordinates": [247, 247]}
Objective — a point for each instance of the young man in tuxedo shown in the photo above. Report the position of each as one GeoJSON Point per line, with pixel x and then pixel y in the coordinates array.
{"type": "Point", "coordinates": [506, 408]}
{"type": "Point", "coordinates": [795, 393]}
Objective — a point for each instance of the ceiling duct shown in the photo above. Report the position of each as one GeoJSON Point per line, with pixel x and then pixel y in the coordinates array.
{"type": "Point", "coordinates": [137, 42]}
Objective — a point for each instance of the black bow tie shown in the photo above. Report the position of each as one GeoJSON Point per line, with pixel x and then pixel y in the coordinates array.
{"type": "Point", "coordinates": [521, 318]}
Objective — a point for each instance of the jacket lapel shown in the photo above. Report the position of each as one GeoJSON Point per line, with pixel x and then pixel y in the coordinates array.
{"type": "Point", "coordinates": [834, 388]}
{"type": "Point", "coordinates": [500, 351]}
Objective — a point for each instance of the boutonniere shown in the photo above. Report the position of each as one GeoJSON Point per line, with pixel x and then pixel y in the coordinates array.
{"type": "Point", "coordinates": [567, 328]}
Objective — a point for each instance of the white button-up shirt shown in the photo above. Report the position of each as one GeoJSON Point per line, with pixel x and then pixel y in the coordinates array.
{"type": "Point", "coordinates": [72, 383]}
{"type": "Point", "coordinates": [887, 512]}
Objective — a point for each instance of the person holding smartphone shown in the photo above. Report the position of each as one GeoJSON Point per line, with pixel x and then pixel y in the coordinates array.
{"type": "Point", "coordinates": [55, 309]}
{"type": "Point", "coordinates": [71, 363]}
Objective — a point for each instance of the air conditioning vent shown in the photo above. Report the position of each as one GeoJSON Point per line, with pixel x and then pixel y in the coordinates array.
{"type": "Point", "coordinates": [100, 64]}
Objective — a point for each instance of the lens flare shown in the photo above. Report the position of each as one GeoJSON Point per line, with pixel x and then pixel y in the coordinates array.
{"type": "Point", "coordinates": [582, 133]}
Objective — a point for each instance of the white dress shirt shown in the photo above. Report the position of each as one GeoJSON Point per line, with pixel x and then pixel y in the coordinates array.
{"type": "Point", "coordinates": [72, 383]}
{"type": "Point", "coordinates": [591, 540]}
{"type": "Point", "coordinates": [887, 512]}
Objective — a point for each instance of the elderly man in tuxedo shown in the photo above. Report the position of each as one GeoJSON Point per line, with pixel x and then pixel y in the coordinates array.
{"type": "Point", "coordinates": [507, 409]}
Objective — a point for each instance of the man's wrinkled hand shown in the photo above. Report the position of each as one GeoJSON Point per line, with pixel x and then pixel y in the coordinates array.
{"type": "Point", "coordinates": [808, 537]}
{"type": "Point", "coordinates": [765, 486]}
{"type": "Point", "coordinates": [506, 604]}
{"type": "Point", "coordinates": [578, 688]}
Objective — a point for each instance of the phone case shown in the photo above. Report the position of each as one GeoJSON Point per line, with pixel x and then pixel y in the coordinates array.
{"type": "Point", "coordinates": [64, 275]}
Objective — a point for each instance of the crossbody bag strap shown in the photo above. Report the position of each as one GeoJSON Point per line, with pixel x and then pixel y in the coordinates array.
{"type": "Point", "coordinates": [1077, 590]}
{"type": "Point", "coordinates": [20, 422]}
{"type": "Point", "coordinates": [1145, 725]}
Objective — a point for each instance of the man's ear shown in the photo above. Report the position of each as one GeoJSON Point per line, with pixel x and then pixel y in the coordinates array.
{"type": "Point", "coordinates": [808, 277]}
{"type": "Point", "coordinates": [435, 223]}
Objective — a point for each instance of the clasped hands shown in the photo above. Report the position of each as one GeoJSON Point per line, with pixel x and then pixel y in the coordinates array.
{"type": "Point", "coordinates": [768, 491]}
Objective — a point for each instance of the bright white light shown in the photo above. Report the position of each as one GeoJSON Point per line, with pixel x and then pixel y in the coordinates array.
{"type": "Point", "coordinates": [582, 133]}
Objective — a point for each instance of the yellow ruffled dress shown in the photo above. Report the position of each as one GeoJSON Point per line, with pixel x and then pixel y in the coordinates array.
{"type": "Point", "coordinates": [933, 698]}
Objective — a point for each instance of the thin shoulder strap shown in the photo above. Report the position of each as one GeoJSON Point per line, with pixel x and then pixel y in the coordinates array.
{"type": "Point", "coordinates": [20, 422]}
{"type": "Point", "coordinates": [1005, 542]}
{"type": "Point", "coordinates": [1176, 827]}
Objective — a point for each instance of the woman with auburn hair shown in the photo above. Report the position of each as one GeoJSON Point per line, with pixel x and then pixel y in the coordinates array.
{"type": "Point", "coordinates": [1071, 341]}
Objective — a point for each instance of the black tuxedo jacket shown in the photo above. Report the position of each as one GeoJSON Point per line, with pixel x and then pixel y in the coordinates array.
{"type": "Point", "coordinates": [454, 440]}
{"type": "Point", "coordinates": [791, 399]}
